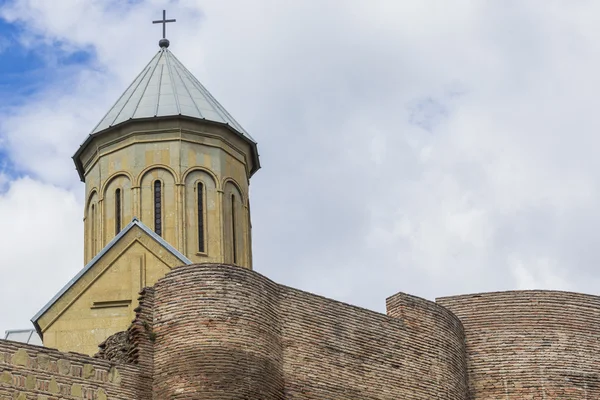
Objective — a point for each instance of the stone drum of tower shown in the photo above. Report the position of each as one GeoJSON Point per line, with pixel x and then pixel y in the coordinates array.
{"type": "Point", "coordinates": [169, 154]}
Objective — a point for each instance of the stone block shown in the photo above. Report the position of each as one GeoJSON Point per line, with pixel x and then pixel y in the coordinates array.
{"type": "Point", "coordinates": [20, 358]}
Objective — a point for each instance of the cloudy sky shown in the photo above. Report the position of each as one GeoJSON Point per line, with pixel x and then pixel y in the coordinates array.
{"type": "Point", "coordinates": [416, 146]}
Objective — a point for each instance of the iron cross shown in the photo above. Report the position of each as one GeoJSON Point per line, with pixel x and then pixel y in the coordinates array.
{"type": "Point", "coordinates": [164, 22]}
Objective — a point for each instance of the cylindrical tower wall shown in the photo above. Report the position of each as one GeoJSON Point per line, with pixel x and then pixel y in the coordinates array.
{"type": "Point", "coordinates": [190, 189]}
{"type": "Point", "coordinates": [217, 335]}
{"type": "Point", "coordinates": [530, 344]}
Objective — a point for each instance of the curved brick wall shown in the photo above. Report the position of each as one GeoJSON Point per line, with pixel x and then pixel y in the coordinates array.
{"type": "Point", "coordinates": [217, 335]}
{"type": "Point", "coordinates": [439, 336]}
{"type": "Point", "coordinates": [337, 351]}
{"type": "Point", "coordinates": [224, 332]}
{"type": "Point", "coordinates": [531, 343]}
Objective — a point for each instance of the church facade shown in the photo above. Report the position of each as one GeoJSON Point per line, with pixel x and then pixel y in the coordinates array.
{"type": "Point", "coordinates": [166, 175]}
{"type": "Point", "coordinates": [167, 305]}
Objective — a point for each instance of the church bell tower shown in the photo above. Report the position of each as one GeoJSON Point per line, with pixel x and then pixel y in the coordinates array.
{"type": "Point", "coordinates": [169, 154]}
{"type": "Point", "coordinates": [166, 175]}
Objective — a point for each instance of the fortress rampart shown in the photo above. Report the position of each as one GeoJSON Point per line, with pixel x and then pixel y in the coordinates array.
{"type": "Point", "coordinates": [212, 331]}
{"type": "Point", "coordinates": [524, 344]}
{"type": "Point", "coordinates": [231, 333]}
{"type": "Point", "coordinates": [34, 372]}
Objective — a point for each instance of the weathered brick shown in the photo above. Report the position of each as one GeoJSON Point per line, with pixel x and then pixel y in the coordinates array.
{"type": "Point", "coordinates": [531, 344]}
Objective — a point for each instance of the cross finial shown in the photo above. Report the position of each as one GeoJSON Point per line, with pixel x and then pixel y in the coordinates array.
{"type": "Point", "coordinates": [164, 42]}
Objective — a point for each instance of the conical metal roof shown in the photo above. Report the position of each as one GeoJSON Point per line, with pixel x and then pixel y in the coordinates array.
{"type": "Point", "coordinates": [166, 88]}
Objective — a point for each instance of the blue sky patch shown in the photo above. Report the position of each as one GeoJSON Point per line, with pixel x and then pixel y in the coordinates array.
{"type": "Point", "coordinates": [19, 66]}
{"type": "Point", "coordinates": [23, 71]}
{"type": "Point", "coordinates": [6, 167]}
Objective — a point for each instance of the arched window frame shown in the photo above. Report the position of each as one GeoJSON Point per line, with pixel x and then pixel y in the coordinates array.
{"type": "Point", "coordinates": [157, 189]}
{"type": "Point", "coordinates": [201, 215]}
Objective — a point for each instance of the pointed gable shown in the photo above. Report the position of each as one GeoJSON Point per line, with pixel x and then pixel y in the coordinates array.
{"type": "Point", "coordinates": [108, 284]}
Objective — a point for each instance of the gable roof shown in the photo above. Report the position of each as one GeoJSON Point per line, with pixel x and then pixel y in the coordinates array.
{"type": "Point", "coordinates": [93, 261]}
{"type": "Point", "coordinates": [166, 88]}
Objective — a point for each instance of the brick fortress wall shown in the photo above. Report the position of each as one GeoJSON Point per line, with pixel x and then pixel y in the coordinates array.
{"type": "Point", "coordinates": [531, 344]}
{"type": "Point", "coordinates": [228, 332]}
{"type": "Point", "coordinates": [222, 332]}
{"type": "Point", "coordinates": [439, 342]}
{"type": "Point", "coordinates": [217, 333]}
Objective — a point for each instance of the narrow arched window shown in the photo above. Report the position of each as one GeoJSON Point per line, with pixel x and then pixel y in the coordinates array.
{"type": "Point", "coordinates": [233, 231]}
{"type": "Point", "coordinates": [93, 229]}
{"type": "Point", "coordinates": [200, 194]}
{"type": "Point", "coordinates": [158, 207]}
{"type": "Point", "coordinates": [117, 211]}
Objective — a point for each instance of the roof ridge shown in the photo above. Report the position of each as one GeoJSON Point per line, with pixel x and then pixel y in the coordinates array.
{"type": "Point", "coordinates": [145, 87]}
{"type": "Point", "coordinates": [167, 59]}
{"type": "Point", "coordinates": [141, 74]}
{"type": "Point", "coordinates": [158, 95]}
{"type": "Point", "coordinates": [186, 88]}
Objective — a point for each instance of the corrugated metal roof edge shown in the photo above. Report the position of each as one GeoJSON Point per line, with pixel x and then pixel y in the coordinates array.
{"type": "Point", "coordinates": [89, 138]}
{"type": "Point", "coordinates": [134, 222]}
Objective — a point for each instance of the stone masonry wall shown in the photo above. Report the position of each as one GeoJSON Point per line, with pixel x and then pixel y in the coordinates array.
{"type": "Point", "coordinates": [37, 373]}
{"type": "Point", "coordinates": [228, 333]}
{"type": "Point", "coordinates": [531, 344]}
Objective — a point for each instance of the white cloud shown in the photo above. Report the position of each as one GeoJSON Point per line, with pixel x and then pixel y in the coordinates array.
{"type": "Point", "coordinates": [4, 181]}
{"type": "Point", "coordinates": [539, 274]}
{"type": "Point", "coordinates": [42, 247]}
{"type": "Point", "coordinates": [405, 145]}
{"type": "Point", "coordinates": [42, 135]}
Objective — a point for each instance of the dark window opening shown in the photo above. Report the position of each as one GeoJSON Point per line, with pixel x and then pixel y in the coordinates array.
{"type": "Point", "coordinates": [233, 233]}
{"type": "Point", "coordinates": [117, 211]}
{"type": "Point", "coordinates": [93, 229]}
{"type": "Point", "coordinates": [200, 193]}
{"type": "Point", "coordinates": [158, 208]}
